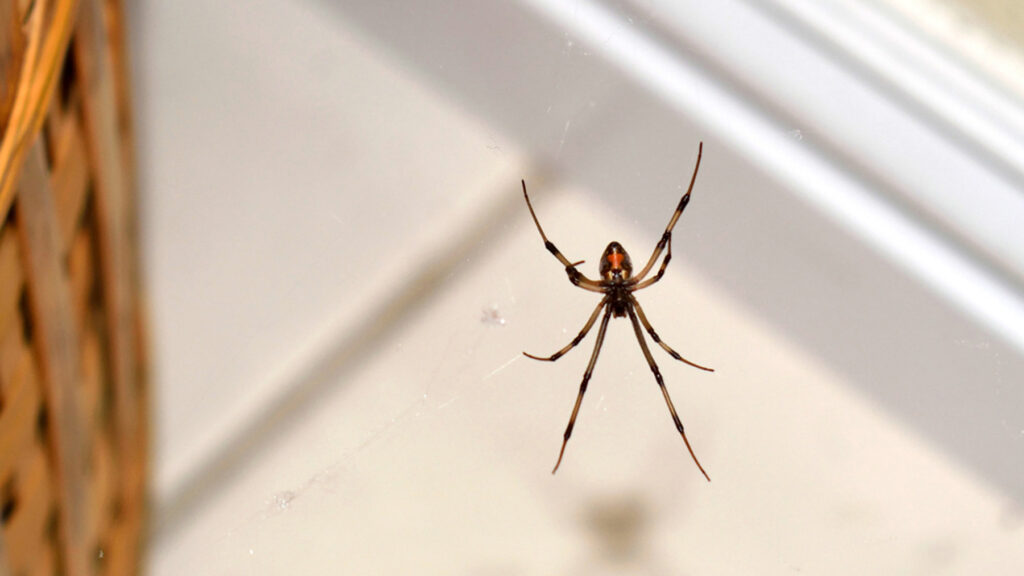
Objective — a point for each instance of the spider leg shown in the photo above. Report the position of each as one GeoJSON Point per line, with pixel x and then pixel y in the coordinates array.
{"type": "Point", "coordinates": [579, 337]}
{"type": "Point", "coordinates": [656, 338]}
{"type": "Point", "coordinates": [583, 385]}
{"type": "Point", "coordinates": [661, 384]}
{"type": "Point", "coordinates": [661, 271]}
{"type": "Point", "coordinates": [671, 223]}
{"type": "Point", "coordinates": [575, 276]}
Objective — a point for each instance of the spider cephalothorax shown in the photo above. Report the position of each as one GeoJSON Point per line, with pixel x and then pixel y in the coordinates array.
{"type": "Point", "coordinates": [617, 283]}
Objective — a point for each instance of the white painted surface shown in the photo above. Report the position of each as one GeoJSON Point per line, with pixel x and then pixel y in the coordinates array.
{"type": "Point", "coordinates": [343, 275]}
{"type": "Point", "coordinates": [433, 455]}
{"type": "Point", "coordinates": [286, 172]}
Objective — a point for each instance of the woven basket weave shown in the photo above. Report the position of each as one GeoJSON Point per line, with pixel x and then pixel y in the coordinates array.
{"type": "Point", "coordinates": [72, 396]}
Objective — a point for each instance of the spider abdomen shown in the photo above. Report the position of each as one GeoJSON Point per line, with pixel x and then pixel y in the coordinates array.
{"type": "Point", "coordinates": [615, 263]}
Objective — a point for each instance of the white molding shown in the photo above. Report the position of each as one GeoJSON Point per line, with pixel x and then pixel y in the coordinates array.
{"type": "Point", "coordinates": [986, 219]}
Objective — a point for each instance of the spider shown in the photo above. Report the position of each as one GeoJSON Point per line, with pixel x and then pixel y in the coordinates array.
{"type": "Point", "coordinates": [617, 283]}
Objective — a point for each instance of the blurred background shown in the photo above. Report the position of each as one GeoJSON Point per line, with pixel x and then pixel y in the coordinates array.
{"type": "Point", "coordinates": [342, 275]}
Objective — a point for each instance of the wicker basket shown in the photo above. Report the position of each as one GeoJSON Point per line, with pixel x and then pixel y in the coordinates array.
{"type": "Point", "coordinates": [72, 396]}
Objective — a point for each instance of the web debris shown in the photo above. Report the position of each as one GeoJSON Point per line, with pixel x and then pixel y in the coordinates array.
{"type": "Point", "coordinates": [491, 315]}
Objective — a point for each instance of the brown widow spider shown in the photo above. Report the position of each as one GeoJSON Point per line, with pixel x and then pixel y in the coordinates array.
{"type": "Point", "coordinates": [618, 284]}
